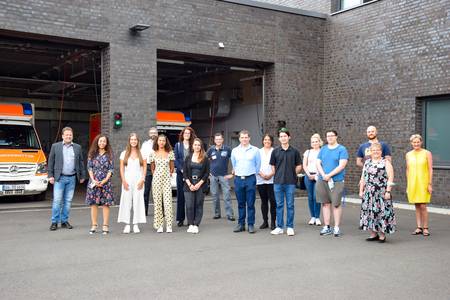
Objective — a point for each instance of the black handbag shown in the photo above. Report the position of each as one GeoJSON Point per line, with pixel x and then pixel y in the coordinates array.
{"type": "Point", "coordinates": [301, 179]}
{"type": "Point", "coordinates": [301, 182]}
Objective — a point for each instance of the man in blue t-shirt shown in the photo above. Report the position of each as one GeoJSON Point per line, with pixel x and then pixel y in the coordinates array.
{"type": "Point", "coordinates": [364, 149]}
{"type": "Point", "coordinates": [219, 156]}
{"type": "Point", "coordinates": [331, 163]}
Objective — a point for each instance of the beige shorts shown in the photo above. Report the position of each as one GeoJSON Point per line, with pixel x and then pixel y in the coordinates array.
{"type": "Point", "coordinates": [325, 195]}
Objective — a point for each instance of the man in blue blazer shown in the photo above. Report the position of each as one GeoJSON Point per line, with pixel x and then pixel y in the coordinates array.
{"type": "Point", "coordinates": [65, 167]}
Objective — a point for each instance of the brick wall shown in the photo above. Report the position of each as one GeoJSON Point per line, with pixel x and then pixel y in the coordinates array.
{"type": "Point", "coordinates": [379, 59]}
{"type": "Point", "coordinates": [293, 43]}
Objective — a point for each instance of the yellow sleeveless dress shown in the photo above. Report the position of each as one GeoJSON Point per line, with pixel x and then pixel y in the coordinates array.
{"type": "Point", "coordinates": [418, 177]}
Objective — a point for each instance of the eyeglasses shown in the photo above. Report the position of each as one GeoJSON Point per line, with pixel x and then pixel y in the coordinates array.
{"type": "Point", "coordinates": [331, 135]}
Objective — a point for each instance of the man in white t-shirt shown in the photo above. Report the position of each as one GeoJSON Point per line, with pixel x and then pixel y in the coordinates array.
{"type": "Point", "coordinates": [146, 150]}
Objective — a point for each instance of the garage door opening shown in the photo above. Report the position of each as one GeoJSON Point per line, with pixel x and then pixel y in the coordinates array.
{"type": "Point", "coordinates": [61, 77]}
{"type": "Point", "coordinates": [215, 94]}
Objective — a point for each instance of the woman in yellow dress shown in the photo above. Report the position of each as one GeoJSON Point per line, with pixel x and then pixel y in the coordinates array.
{"type": "Point", "coordinates": [419, 175]}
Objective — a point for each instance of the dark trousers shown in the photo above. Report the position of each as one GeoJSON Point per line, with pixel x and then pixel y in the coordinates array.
{"type": "Point", "coordinates": [181, 213]}
{"type": "Point", "coordinates": [194, 206]}
{"type": "Point", "coordinates": [267, 196]}
{"type": "Point", "coordinates": [245, 190]}
{"type": "Point", "coordinates": [147, 188]}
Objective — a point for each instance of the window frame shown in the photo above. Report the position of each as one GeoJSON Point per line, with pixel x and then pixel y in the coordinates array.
{"type": "Point", "coordinates": [425, 101]}
{"type": "Point", "coordinates": [338, 6]}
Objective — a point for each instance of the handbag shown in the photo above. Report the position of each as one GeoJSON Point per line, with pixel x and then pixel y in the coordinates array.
{"type": "Point", "coordinates": [301, 178]}
{"type": "Point", "coordinates": [301, 182]}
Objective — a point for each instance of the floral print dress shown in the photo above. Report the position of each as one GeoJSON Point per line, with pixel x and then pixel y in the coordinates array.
{"type": "Point", "coordinates": [377, 213]}
{"type": "Point", "coordinates": [100, 165]}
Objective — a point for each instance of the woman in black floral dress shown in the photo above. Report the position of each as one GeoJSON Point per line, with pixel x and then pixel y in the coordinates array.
{"type": "Point", "coordinates": [99, 191]}
{"type": "Point", "coordinates": [377, 212]}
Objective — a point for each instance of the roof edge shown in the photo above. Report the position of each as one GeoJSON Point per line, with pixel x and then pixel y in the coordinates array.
{"type": "Point", "coordinates": [280, 8]}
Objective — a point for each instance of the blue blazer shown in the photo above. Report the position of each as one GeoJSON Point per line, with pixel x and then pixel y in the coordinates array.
{"type": "Point", "coordinates": [179, 156]}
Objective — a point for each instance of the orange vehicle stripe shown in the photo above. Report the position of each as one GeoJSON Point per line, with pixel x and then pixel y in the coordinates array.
{"type": "Point", "coordinates": [11, 110]}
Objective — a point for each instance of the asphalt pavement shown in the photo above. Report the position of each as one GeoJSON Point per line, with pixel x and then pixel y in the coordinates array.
{"type": "Point", "coordinates": [217, 263]}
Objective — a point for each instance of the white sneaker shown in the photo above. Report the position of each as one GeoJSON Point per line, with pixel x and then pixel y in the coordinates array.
{"type": "Point", "coordinates": [191, 227]}
{"type": "Point", "coordinates": [169, 229]}
{"type": "Point", "coordinates": [160, 229]}
{"type": "Point", "coordinates": [318, 223]}
{"type": "Point", "coordinates": [312, 221]}
{"type": "Point", "coordinates": [136, 228]}
{"type": "Point", "coordinates": [277, 231]}
{"type": "Point", "coordinates": [336, 231]}
{"type": "Point", "coordinates": [126, 229]}
{"type": "Point", "coordinates": [195, 229]}
{"type": "Point", "coordinates": [290, 231]}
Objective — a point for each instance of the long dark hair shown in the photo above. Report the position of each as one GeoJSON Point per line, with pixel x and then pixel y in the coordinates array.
{"type": "Point", "coordinates": [202, 154]}
{"type": "Point", "coordinates": [167, 146]}
{"type": "Point", "coordinates": [93, 150]}
{"type": "Point", "coordinates": [193, 136]}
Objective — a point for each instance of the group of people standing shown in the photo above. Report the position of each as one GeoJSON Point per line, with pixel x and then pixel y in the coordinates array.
{"type": "Point", "coordinates": [273, 171]}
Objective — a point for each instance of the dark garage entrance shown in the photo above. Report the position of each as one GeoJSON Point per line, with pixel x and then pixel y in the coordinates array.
{"type": "Point", "coordinates": [217, 94]}
{"type": "Point", "coordinates": [60, 76]}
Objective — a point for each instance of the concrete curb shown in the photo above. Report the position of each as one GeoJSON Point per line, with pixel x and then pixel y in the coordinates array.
{"type": "Point", "coordinates": [431, 209]}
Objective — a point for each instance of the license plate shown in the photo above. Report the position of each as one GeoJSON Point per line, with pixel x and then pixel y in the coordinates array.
{"type": "Point", "coordinates": [13, 192]}
{"type": "Point", "coordinates": [12, 187]}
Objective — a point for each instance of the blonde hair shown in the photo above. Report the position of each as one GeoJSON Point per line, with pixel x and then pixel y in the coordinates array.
{"type": "Point", "coordinates": [317, 136]}
{"type": "Point", "coordinates": [415, 136]}
{"type": "Point", "coordinates": [375, 145]}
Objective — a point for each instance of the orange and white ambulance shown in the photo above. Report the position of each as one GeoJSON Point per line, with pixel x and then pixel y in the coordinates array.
{"type": "Point", "coordinates": [23, 165]}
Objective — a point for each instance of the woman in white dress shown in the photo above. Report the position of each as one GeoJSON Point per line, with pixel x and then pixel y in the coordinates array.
{"type": "Point", "coordinates": [132, 173]}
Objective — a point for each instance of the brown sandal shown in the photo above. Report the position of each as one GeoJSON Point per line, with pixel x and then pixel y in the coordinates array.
{"type": "Point", "coordinates": [427, 233]}
{"type": "Point", "coordinates": [418, 231]}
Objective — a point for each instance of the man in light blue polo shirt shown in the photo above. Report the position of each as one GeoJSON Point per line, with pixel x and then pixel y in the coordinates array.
{"type": "Point", "coordinates": [246, 162]}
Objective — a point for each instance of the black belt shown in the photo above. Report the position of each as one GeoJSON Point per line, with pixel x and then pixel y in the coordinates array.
{"type": "Point", "coordinates": [68, 175]}
{"type": "Point", "coordinates": [243, 177]}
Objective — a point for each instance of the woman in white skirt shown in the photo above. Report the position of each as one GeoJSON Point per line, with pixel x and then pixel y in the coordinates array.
{"type": "Point", "coordinates": [132, 173]}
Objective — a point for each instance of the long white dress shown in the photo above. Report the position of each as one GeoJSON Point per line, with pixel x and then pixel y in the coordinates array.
{"type": "Point", "coordinates": [133, 198]}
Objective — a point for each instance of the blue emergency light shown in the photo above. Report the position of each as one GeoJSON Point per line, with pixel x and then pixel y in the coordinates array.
{"type": "Point", "coordinates": [27, 109]}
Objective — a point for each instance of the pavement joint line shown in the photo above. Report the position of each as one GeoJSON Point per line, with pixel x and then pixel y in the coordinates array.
{"type": "Point", "coordinates": [431, 209]}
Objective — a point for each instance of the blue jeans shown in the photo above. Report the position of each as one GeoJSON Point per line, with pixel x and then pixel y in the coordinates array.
{"type": "Point", "coordinates": [246, 193]}
{"type": "Point", "coordinates": [62, 198]}
{"type": "Point", "coordinates": [283, 191]}
{"type": "Point", "coordinates": [314, 207]}
{"type": "Point", "coordinates": [215, 182]}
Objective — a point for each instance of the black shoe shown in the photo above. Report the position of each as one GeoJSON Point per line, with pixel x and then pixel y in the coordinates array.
{"type": "Point", "coordinates": [264, 225]}
{"type": "Point", "coordinates": [232, 219]}
{"type": "Point", "coordinates": [272, 226]}
{"type": "Point", "coordinates": [251, 229]}
{"type": "Point", "coordinates": [66, 225]}
{"type": "Point", "coordinates": [54, 226]}
{"type": "Point", "coordinates": [216, 217]}
{"type": "Point", "coordinates": [381, 240]}
{"type": "Point", "coordinates": [180, 224]}
{"type": "Point", "coordinates": [372, 239]}
{"type": "Point", "coordinates": [239, 228]}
